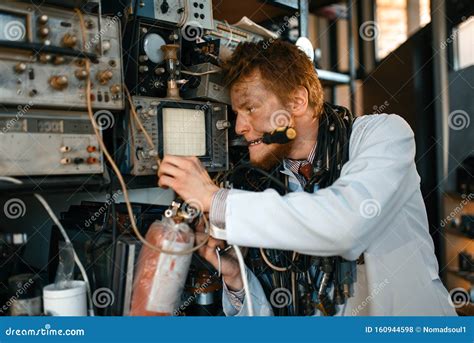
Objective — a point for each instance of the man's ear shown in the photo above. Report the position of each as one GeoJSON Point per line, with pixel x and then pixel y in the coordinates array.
{"type": "Point", "coordinates": [299, 103]}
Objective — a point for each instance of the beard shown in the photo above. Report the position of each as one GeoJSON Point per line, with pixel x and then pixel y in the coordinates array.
{"type": "Point", "coordinates": [270, 155]}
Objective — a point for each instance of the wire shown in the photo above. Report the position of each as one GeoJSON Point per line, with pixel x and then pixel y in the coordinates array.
{"type": "Point", "coordinates": [274, 267]}
{"type": "Point", "coordinates": [271, 265]}
{"type": "Point", "coordinates": [200, 74]}
{"type": "Point", "coordinates": [261, 171]}
{"type": "Point", "coordinates": [117, 171]}
{"type": "Point", "coordinates": [243, 272]}
{"type": "Point", "coordinates": [65, 235]}
{"type": "Point", "coordinates": [184, 16]}
{"type": "Point", "coordinates": [68, 241]}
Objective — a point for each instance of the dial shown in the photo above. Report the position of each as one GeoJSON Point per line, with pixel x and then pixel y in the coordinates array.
{"type": "Point", "coordinates": [152, 47]}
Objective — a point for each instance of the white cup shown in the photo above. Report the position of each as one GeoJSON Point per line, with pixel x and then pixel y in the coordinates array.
{"type": "Point", "coordinates": [71, 301]}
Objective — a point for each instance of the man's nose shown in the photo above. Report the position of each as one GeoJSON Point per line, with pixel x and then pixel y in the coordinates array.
{"type": "Point", "coordinates": [242, 125]}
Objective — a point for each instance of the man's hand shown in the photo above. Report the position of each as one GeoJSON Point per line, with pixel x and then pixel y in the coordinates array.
{"type": "Point", "coordinates": [230, 269]}
{"type": "Point", "coordinates": [187, 177]}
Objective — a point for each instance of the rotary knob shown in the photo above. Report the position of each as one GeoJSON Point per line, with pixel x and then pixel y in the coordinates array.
{"type": "Point", "coordinates": [43, 32]}
{"type": "Point", "coordinates": [58, 82]}
{"type": "Point", "coordinates": [43, 19]}
{"type": "Point", "coordinates": [20, 67]}
{"type": "Point", "coordinates": [45, 58]}
{"type": "Point", "coordinates": [81, 73]}
{"type": "Point", "coordinates": [115, 89]}
{"type": "Point", "coordinates": [58, 60]}
{"type": "Point", "coordinates": [69, 40]}
{"type": "Point", "coordinates": [104, 76]}
{"type": "Point", "coordinates": [222, 124]}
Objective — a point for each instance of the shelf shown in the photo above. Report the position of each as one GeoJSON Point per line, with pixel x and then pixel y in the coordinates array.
{"type": "Point", "coordinates": [333, 78]}
{"type": "Point", "coordinates": [56, 183]}
{"type": "Point", "coordinates": [457, 196]}
{"type": "Point", "coordinates": [314, 6]}
{"type": "Point", "coordinates": [468, 276]}
{"type": "Point", "coordinates": [456, 232]}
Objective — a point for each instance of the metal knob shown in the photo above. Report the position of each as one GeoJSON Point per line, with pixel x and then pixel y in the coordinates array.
{"type": "Point", "coordinates": [58, 60]}
{"type": "Point", "coordinates": [115, 89]}
{"type": "Point", "coordinates": [20, 67]}
{"type": "Point", "coordinates": [81, 73]}
{"type": "Point", "coordinates": [69, 40]}
{"type": "Point", "coordinates": [58, 82]}
{"type": "Point", "coordinates": [104, 76]}
{"type": "Point", "coordinates": [43, 32]}
{"type": "Point", "coordinates": [45, 58]}
{"type": "Point", "coordinates": [43, 19]}
{"type": "Point", "coordinates": [222, 124]}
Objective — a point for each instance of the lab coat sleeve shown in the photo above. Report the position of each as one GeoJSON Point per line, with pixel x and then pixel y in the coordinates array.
{"type": "Point", "coordinates": [261, 306]}
{"type": "Point", "coordinates": [341, 219]}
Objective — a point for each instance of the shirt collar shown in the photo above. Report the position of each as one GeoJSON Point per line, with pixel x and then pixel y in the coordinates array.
{"type": "Point", "coordinates": [294, 165]}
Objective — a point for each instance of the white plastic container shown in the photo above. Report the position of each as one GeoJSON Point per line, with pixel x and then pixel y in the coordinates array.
{"type": "Point", "coordinates": [65, 302]}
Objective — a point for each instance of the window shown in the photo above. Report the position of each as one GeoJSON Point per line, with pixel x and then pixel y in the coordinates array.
{"type": "Point", "coordinates": [397, 20]}
{"type": "Point", "coordinates": [463, 44]}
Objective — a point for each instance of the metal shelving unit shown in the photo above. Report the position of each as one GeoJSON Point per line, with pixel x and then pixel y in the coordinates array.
{"type": "Point", "coordinates": [330, 78]}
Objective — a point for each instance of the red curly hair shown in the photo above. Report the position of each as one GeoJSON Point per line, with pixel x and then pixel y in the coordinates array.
{"type": "Point", "coordinates": [283, 67]}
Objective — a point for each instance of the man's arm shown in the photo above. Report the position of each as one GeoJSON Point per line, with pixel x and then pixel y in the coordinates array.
{"type": "Point", "coordinates": [236, 304]}
{"type": "Point", "coordinates": [343, 218]}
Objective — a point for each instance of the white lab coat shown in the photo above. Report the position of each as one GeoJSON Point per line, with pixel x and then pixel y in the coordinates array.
{"type": "Point", "coordinates": [375, 208]}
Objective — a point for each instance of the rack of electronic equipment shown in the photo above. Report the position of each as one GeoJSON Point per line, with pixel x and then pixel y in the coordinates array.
{"type": "Point", "coordinates": [143, 79]}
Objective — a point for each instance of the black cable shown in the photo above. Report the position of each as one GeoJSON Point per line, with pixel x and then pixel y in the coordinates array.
{"type": "Point", "coordinates": [248, 166]}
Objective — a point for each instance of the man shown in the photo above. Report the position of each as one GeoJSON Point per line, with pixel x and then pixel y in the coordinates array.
{"type": "Point", "coordinates": [374, 209]}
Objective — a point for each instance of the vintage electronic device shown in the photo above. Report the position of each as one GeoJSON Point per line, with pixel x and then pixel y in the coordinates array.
{"type": "Point", "coordinates": [179, 13]}
{"type": "Point", "coordinates": [145, 68]}
{"type": "Point", "coordinates": [37, 142]}
{"type": "Point", "coordinates": [229, 37]}
{"type": "Point", "coordinates": [42, 57]}
{"type": "Point", "coordinates": [205, 81]}
{"type": "Point", "coordinates": [185, 128]}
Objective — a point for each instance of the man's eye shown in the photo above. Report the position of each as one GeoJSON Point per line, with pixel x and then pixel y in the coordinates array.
{"type": "Point", "coordinates": [251, 109]}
